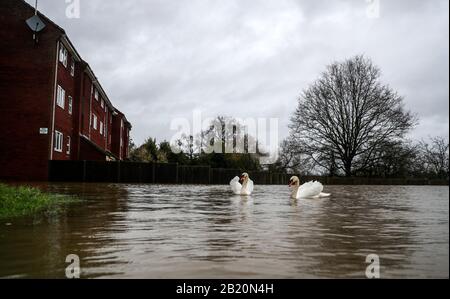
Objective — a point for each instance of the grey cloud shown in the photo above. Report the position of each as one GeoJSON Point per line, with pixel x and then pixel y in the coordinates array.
{"type": "Point", "coordinates": [160, 59]}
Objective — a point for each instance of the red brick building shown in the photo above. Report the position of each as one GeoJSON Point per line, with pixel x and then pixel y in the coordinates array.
{"type": "Point", "coordinates": [52, 106]}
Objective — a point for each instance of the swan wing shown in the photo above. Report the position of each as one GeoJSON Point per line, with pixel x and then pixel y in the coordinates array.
{"type": "Point", "coordinates": [310, 189]}
{"type": "Point", "coordinates": [236, 187]}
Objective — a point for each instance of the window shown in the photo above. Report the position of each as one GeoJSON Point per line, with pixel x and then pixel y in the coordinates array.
{"type": "Point", "coordinates": [63, 55]}
{"type": "Point", "coordinates": [102, 103]}
{"type": "Point", "coordinates": [70, 104]}
{"type": "Point", "coordinates": [96, 94]}
{"type": "Point", "coordinates": [68, 145]}
{"type": "Point", "coordinates": [60, 97]}
{"type": "Point", "coordinates": [58, 141]}
{"type": "Point", "coordinates": [72, 68]}
{"type": "Point", "coordinates": [94, 121]}
{"type": "Point", "coordinates": [101, 128]}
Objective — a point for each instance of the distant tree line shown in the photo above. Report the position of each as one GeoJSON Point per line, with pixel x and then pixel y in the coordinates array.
{"type": "Point", "coordinates": [401, 159]}
{"type": "Point", "coordinates": [216, 146]}
{"type": "Point", "coordinates": [348, 123]}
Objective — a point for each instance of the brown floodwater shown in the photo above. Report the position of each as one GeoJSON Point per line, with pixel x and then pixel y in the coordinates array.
{"type": "Point", "coordinates": [152, 231]}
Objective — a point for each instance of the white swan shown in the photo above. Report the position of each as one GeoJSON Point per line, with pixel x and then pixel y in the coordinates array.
{"type": "Point", "coordinates": [308, 190]}
{"type": "Point", "coordinates": [242, 185]}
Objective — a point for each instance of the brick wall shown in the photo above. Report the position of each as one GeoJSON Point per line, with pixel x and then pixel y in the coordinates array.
{"type": "Point", "coordinates": [26, 93]}
{"type": "Point", "coordinates": [64, 119]}
{"type": "Point", "coordinates": [29, 75]}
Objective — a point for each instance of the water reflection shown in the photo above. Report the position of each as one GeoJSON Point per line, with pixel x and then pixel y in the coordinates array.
{"type": "Point", "coordinates": [363, 226]}
{"type": "Point", "coordinates": [38, 246]}
{"type": "Point", "coordinates": [150, 231]}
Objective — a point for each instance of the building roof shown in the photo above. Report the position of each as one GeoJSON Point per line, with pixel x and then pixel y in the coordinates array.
{"type": "Point", "coordinates": [124, 118]}
{"type": "Point", "coordinates": [65, 39]}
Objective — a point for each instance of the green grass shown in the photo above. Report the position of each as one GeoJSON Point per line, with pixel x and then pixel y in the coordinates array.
{"type": "Point", "coordinates": [23, 201]}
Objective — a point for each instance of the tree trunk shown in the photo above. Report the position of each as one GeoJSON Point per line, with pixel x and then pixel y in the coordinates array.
{"type": "Point", "coordinates": [348, 168]}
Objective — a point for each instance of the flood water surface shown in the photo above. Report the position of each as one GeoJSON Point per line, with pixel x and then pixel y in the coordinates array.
{"type": "Point", "coordinates": [151, 231]}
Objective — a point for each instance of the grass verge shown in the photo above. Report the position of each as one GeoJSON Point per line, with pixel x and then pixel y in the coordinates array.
{"type": "Point", "coordinates": [23, 201]}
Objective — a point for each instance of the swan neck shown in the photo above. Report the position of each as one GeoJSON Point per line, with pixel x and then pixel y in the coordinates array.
{"type": "Point", "coordinates": [295, 191]}
{"type": "Point", "coordinates": [244, 184]}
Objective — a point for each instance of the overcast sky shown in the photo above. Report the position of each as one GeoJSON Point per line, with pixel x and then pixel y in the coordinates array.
{"type": "Point", "coordinates": [160, 59]}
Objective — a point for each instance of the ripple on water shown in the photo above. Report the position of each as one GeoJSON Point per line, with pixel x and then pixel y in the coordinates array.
{"type": "Point", "coordinates": [153, 231]}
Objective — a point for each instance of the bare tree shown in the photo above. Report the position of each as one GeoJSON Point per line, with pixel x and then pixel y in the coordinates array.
{"type": "Point", "coordinates": [347, 114]}
{"type": "Point", "coordinates": [289, 159]}
{"type": "Point", "coordinates": [225, 135]}
{"type": "Point", "coordinates": [394, 159]}
{"type": "Point", "coordinates": [188, 148]}
{"type": "Point", "coordinates": [435, 157]}
{"type": "Point", "coordinates": [292, 159]}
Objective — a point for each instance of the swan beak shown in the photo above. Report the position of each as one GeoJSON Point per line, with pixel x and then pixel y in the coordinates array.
{"type": "Point", "coordinates": [241, 179]}
{"type": "Point", "coordinates": [290, 183]}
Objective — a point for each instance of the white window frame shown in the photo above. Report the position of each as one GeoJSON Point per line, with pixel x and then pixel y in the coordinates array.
{"type": "Point", "coordinates": [94, 121]}
{"type": "Point", "coordinates": [102, 103]}
{"type": "Point", "coordinates": [58, 141]}
{"type": "Point", "coordinates": [101, 128]}
{"type": "Point", "coordinates": [61, 97]}
{"type": "Point", "coordinates": [72, 68]}
{"type": "Point", "coordinates": [96, 94]}
{"type": "Point", "coordinates": [70, 104]}
{"type": "Point", "coordinates": [69, 145]}
{"type": "Point", "coordinates": [63, 55]}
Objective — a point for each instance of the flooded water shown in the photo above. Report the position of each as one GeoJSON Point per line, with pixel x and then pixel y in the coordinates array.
{"type": "Point", "coordinates": [149, 231]}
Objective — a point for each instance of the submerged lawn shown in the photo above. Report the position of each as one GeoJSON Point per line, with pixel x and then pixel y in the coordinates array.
{"type": "Point", "coordinates": [22, 201]}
